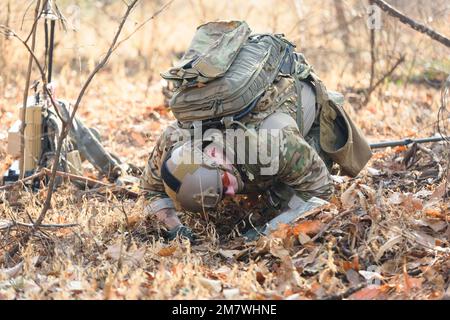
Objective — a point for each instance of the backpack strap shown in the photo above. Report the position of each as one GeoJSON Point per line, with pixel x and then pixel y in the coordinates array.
{"type": "Point", "coordinates": [299, 107]}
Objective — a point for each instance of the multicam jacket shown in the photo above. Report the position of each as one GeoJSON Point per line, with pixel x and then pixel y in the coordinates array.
{"type": "Point", "coordinates": [302, 167]}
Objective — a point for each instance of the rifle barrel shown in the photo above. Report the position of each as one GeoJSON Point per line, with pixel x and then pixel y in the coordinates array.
{"type": "Point", "coordinates": [404, 142]}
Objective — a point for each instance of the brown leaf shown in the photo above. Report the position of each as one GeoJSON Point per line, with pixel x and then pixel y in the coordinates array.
{"type": "Point", "coordinates": [396, 198]}
{"type": "Point", "coordinates": [349, 197]}
{"type": "Point", "coordinates": [167, 251]}
{"type": "Point", "coordinates": [351, 265]}
{"type": "Point", "coordinates": [434, 213]}
{"type": "Point", "coordinates": [114, 251]}
{"type": "Point", "coordinates": [283, 231]}
{"type": "Point", "coordinates": [309, 228]}
{"type": "Point", "coordinates": [353, 277]}
{"type": "Point", "coordinates": [138, 139]}
{"type": "Point", "coordinates": [369, 293]}
{"type": "Point", "coordinates": [439, 192]}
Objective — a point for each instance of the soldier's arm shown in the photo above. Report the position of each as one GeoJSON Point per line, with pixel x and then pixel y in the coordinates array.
{"type": "Point", "coordinates": [301, 168]}
{"type": "Point", "coordinates": [156, 201]}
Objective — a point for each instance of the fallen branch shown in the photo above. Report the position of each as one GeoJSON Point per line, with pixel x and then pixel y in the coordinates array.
{"type": "Point", "coordinates": [413, 24]}
{"type": "Point", "coordinates": [75, 177]}
{"type": "Point", "coordinates": [103, 186]}
{"type": "Point", "coordinates": [347, 292]}
{"type": "Point", "coordinates": [9, 224]}
{"type": "Point", "coordinates": [328, 225]}
{"type": "Point", "coordinates": [22, 181]}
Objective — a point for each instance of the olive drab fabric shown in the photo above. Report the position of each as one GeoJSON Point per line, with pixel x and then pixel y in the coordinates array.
{"type": "Point", "coordinates": [246, 66]}
{"type": "Point", "coordinates": [210, 54]}
{"type": "Point", "coordinates": [340, 138]}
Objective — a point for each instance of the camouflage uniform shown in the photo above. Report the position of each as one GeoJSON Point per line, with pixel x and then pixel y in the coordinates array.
{"type": "Point", "coordinates": [302, 166]}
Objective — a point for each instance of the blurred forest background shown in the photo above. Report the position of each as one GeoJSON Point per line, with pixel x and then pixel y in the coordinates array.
{"type": "Point", "coordinates": [126, 104]}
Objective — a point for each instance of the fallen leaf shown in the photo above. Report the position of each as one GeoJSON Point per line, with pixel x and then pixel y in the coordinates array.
{"type": "Point", "coordinates": [231, 294]}
{"type": "Point", "coordinates": [13, 271]}
{"type": "Point", "coordinates": [439, 192]}
{"type": "Point", "coordinates": [370, 275]}
{"type": "Point", "coordinates": [167, 251]}
{"type": "Point", "coordinates": [228, 254]}
{"type": "Point", "coordinates": [75, 286]}
{"type": "Point", "coordinates": [349, 197]}
{"type": "Point", "coordinates": [138, 139]}
{"type": "Point", "coordinates": [215, 285]}
{"type": "Point", "coordinates": [351, 265]}
{"type": "Point", "coordinates": [399, 149]}
{"type": "Point", "coordinates": [117, 251]}
{"type": "Point", "coordinates": [396, 198]}
{"type": "Point", "coordinates": [283, 231]}
{"type": "Point", "coordinates": [310, 227]}
{"type": "Point", "coordinates": [303, 238]}
{"type": "Point", "coordinates": [433, 213]}
{"type": "Point", "coordinates": [369, 293]}
{"type": "Point", "coordinates": [114, 251]}
{"type": "Point", "coordinates": [387, 246]}
{"type": "Point", "coordinates": [373, 171]}
{"type": "Point", "coordinates": [137, 256]}
{"type": "Point", "coordinates": [353, 277]}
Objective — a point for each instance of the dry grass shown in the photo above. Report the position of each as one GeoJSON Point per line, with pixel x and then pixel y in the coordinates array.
{"type": "Point", "coordinates": [397, 227]}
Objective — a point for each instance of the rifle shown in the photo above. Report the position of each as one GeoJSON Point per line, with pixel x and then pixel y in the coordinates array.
{"type": "Point", "coordinates": [405, 142]}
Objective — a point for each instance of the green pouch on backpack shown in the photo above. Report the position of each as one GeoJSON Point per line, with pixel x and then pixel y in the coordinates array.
{"type": "Point", "coordinates": [211, 52]}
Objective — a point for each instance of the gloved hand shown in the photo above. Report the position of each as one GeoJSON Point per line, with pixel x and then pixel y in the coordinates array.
{"type": "Point", "coordinates": [182, 231]}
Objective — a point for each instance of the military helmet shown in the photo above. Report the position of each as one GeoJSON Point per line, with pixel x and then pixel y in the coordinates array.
{"type": "Point", "coordinates": [191, 179]}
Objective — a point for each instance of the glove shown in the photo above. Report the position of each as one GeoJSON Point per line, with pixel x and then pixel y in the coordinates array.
{"type": "Point", "coordinates": [183, 232]}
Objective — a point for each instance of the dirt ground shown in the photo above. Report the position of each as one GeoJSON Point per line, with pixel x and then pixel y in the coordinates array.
{"type": "Point", "coordinates": [385, 234]}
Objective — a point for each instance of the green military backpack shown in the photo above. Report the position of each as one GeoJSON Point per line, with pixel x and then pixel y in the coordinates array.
{"type": "Point", "coordinates": [225, 71]}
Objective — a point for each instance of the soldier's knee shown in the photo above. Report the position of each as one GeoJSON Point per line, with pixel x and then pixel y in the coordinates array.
{"type": "Point", "coordinates": [326, 191]}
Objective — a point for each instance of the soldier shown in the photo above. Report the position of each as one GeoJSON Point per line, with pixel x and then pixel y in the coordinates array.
{"type": "Point", "coordinates": [303, 168]}
{"type": "Point", "coordinates": [266, 97]}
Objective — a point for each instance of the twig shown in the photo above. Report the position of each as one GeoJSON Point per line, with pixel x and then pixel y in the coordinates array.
{"type": "Point", "coordinates": [372, 55]}
{"type": "Point", "coordinates": [347, 292]}
{"type": "Point", "coordinates": [325, 228]}
{"type": "Point", "coordinates": [143, 24]}
{"type": "Point", "coordinates": [8, 224]}
{"type": "Point", "coordinates": [23, 112]}
{"type": "Point", "coordinates": [381, 80]}
{"type": "Point", "coordinates": [22, 181]}
{"type": "Point", "coordinates": [441, 127]}
{"type": "Point", "coordinates": [9, 32]}
{"type": "Point", "coordinates": [76, 177]}
{"type": "Point", "coordinates": [413, 24]}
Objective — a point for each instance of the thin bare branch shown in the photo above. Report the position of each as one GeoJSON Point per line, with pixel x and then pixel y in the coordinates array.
{"type": "Point", "coordinates": [23, 112]}
{"type": "Point", "coordinates": [143, 24]}
{"type": "Point", "coordinates": [413, 24]}
{"type": "Point", "coordinates": [9, 224]}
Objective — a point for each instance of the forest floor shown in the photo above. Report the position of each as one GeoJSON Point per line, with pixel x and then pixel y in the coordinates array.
{"type": "Point", "coordinates": [385, 234]}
